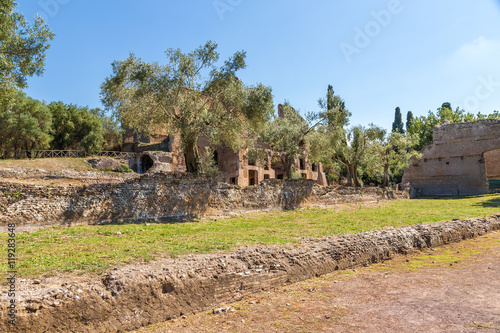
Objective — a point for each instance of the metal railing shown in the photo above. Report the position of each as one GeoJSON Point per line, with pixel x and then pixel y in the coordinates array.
{"type": "Point", "coordinates": [32, 154]}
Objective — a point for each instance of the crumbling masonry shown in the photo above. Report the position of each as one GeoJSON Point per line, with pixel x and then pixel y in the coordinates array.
{"type": "Point", "coordinates": [464, 159]}
{"type": "Point", "coordinates": [163, 153]}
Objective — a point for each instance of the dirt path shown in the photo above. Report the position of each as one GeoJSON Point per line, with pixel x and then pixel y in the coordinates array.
{"type": "Point", "coordinates": [455, 288]}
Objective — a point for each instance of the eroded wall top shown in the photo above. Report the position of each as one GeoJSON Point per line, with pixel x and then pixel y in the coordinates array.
{"type": "Point", "coordinates": [455, 163]}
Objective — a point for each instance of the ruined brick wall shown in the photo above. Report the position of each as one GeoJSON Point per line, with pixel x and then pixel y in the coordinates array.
{"type": "Point", "coordinates": [164, 197]}
{"type": "Point", "coordinates": [456, 162]}
{"type": "Point", "coordinates": [492, 163]}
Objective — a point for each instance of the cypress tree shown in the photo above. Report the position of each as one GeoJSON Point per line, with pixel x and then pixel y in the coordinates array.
{"type": "Point", "coordinates": [330, 98]}
{"type": "Point", "coordinates": [397, 125]}
{"type": "Point", "coordinates": [409, 118]}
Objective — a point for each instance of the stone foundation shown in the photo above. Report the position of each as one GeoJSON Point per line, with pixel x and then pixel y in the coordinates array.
{"type": "Point", "coordinates": [164, 197]}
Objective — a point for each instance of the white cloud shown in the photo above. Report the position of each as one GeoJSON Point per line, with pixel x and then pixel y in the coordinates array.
{"type": "Point", "coordinates": [471, 75]}
{"type": "Point", "coordinates": [476, 57]}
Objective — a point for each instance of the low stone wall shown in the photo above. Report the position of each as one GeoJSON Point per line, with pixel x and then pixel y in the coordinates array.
{"type": "Point", "coordinates": [163, 197]}
{"type": "Point", "coordinates": [130, 297]}
{"type": "Point", "coordinates": [91, 177]}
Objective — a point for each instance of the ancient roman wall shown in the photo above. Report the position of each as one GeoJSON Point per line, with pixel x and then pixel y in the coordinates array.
{"type": "Point", "coordinates": [456, 163]}
{"type": "Point", "coordinates": [164, 197]}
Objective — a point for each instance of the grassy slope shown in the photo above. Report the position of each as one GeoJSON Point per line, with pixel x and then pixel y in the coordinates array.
{"type": "Point", "coordinates": [93, 249]}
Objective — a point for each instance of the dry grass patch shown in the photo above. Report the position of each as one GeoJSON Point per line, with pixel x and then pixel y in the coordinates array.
{"type": "Point", "coordinates": [56, 164]}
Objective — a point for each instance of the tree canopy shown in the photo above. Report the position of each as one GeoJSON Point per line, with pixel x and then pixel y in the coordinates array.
{"type": "Point", "coordinates": [286, 134]}
{"type": "Point", "coordinates": [422, 126]}
{"type": "Point", "coordinates": [409, 118]}
{"type": "Point", "coordinates": [190, 95]}
{"type": "Point", "coordinates": [76, 128]}
{"type": "Point", "coordinates": [28, 124]}
{"type": "Point", "coordinates": [334, 111]}
{"type": "Point", "coordinates": [391, 150]}
{"type": "Point", "coordinates": [22, 49]}
{"type": "Point", "coordinates": [25, 125]}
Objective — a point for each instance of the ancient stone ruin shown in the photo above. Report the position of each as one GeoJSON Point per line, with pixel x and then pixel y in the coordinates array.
{"type": "Point", "coordinates": [106, 197]}
{"type": "Point", "coordinates": [464, 159]}
{"type": "Point", "coordinates": [135, 296]}
{"type": "Point", "coordinates": [162, 152]}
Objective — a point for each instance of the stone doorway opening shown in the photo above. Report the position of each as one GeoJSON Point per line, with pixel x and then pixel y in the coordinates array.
{"type": "Point", "coordinates": [146, 163]}
{"type": "Point", "coordinates": [252, 177]}
{"type": "Point", "coordinates": [279, 167]}
{"type": "Point", "coordinates": [492, 165]}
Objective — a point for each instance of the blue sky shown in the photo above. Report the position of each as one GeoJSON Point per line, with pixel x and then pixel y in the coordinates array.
{"type": "Point", "coordinates": [376, 54]}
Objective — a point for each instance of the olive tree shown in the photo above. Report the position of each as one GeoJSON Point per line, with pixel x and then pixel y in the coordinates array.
{"type": "Point", "coordinates": [25, 125]}
{"type": "Point", "coordinates": [22, 49]}
{"type": "Point", "coordinates": [391, 150]}
{"type": "Point", "coordinates": [286, 134]}
{"type": "Point", "coordinates": [191, 95]}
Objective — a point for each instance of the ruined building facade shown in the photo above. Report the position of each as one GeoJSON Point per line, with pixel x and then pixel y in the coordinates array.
{"type": "Point", "coordinates": [163, 153]}
{"type": "Point", "coordinates": [464, 159]}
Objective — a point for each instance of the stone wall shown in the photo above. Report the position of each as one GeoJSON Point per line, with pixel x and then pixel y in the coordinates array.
{"type": "Point", "coordinates": [164, 197]}
{"type": "Point", "coordinates": [133, 296]}
{"type": "Point", "coordinates": [460, 161]}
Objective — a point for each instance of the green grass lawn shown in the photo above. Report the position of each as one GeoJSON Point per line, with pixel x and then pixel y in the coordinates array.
{"type": "Point", "coordinates": [93, 249]}
{"type": "Point", "coordinates": [57, 164]}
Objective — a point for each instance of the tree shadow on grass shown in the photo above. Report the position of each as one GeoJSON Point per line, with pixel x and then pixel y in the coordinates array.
{"type": "Point", "coordinates": [430, 197]}
{"type": "Point", "coordinates": [492, 203]}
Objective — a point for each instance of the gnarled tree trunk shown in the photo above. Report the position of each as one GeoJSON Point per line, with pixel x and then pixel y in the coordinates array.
{"type": "Point", "coordinates": [386, 175]}
{"type": "Point", "coordinates": [190, 157]}
{"type": "Point", "coordinates": [288, 163]}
